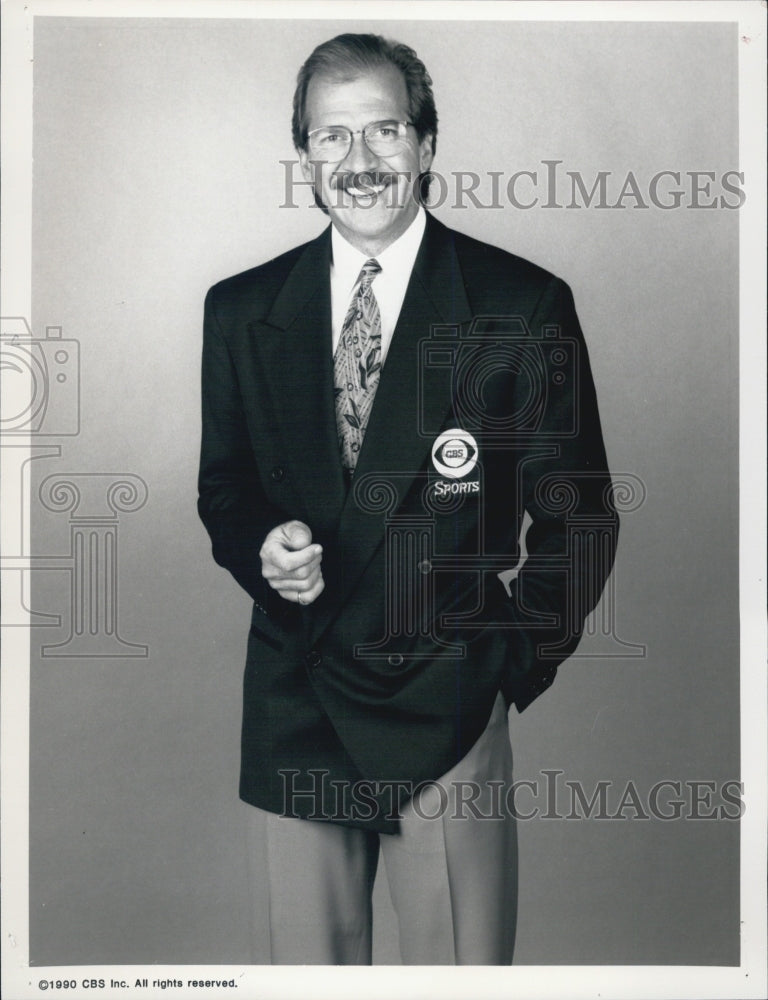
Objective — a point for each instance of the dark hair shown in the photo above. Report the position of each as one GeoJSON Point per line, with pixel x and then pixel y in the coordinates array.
{"type": "Point", "coordinates": [348, 56]}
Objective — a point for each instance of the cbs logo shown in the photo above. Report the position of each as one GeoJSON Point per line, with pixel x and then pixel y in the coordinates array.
{"type": "Point", "coordinates": [454, 453]}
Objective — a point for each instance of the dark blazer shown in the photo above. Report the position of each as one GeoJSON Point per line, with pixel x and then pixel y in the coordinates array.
{"type": "Point", "coordinates": [390, 676]}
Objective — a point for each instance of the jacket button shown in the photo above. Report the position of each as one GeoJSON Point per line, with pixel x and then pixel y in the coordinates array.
{"type": "Point", "coordinates": [395, 659]}
{"type": "Point", "coordinates": [424, 566]}
{"type": "Point", "coordinates": [313, 659]}
{"type": "Point", "coordinates": [277, 474]}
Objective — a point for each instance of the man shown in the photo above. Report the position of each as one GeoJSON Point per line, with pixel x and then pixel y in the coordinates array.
{"type": "Point", "coordinates": [382, 407]}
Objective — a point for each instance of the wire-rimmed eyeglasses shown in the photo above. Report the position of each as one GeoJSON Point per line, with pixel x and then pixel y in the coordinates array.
{"type": "Point", "coordinates": [331, 143]}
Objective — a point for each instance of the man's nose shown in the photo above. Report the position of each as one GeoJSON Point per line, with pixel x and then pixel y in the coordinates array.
{"type": "Point", "coordinates": [360, 158]}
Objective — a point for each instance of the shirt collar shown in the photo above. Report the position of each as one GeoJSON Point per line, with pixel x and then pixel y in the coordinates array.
{"type": "Point", "coordinates": [398, 258]}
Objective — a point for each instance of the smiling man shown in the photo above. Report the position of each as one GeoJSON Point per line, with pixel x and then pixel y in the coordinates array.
{"type": "Point", "coordinates": [363, 165]}
{"type": "Point", "coordinates": [385, 410]}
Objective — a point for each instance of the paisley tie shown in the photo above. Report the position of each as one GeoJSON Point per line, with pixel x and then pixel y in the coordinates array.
{"type": "Point", "coordinates": [357, 366]}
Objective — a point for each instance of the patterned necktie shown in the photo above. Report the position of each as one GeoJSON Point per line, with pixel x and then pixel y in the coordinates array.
{"type": "Point", "coordinates": [357, 366]}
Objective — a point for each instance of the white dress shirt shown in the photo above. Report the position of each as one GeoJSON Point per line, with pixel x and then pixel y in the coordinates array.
{"type": "Point", "coordinates": [388, 286]}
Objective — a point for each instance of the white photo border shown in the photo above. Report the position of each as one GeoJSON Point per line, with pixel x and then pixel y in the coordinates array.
{"type": "Point", "coordinates": [749, 979]}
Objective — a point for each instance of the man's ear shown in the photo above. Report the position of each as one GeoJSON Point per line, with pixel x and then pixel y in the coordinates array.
{"type": "Point", "coordinates": [306, 166]}
{"type": "Point", "coordinates": [425, 153]}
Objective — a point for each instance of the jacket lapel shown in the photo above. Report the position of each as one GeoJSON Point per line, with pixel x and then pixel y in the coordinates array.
{"type": "Point", "coordinates": [412, 401]}
{"type": "Point", "coordinates": [295, 348]}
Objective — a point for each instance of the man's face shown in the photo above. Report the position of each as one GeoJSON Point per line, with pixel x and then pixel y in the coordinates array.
{"type": "Point", "coordinates": [370, 198]}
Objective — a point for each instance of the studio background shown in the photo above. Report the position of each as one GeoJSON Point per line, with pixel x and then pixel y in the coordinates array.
{"type": "Point", "coordinates": [156, 172]}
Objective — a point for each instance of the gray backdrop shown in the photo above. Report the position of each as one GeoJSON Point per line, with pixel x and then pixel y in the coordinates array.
{"type": "Point", "coordinates": [156, 149]}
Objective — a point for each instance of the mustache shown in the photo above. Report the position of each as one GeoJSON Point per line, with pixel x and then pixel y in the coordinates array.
{"type": "Point", "coordinates": [363, 180]}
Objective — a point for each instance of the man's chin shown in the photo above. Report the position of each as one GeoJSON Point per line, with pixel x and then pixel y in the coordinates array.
{"type": "Point", "coordinates": [372, 214]}
{"type": "Point", "coordinates": [372, 217]}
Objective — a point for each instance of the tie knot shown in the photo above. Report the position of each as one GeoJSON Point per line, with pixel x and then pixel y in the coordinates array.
{"type": "Point", "coordinates": [369, 271]}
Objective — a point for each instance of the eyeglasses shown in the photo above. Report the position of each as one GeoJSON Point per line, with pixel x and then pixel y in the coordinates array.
{"type": "Point", "coordinates": [332, 142]}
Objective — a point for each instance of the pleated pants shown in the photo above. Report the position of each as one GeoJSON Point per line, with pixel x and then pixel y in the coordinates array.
{"type": "Point", "coordinates": [452, 872]}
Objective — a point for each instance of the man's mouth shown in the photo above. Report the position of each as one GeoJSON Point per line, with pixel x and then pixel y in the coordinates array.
{"type": "Point", "coordinates": [365, 187]}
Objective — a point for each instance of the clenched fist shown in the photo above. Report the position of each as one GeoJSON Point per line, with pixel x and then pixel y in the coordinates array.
{"type": "Point", "coordinates": [291, 563]}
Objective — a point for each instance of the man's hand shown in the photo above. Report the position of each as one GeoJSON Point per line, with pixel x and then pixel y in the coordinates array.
{"type": "Point", "coordinates": [291, 564]}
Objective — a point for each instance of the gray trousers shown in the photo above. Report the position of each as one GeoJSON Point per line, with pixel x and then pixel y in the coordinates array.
{"type": "Point", "coordinates": [452, 872]}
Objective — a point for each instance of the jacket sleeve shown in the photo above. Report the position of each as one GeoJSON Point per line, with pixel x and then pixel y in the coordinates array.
{"type": "Point", "coordinates": [231, 502]}
{"type": "Point", "coordinates": [563, 483]}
